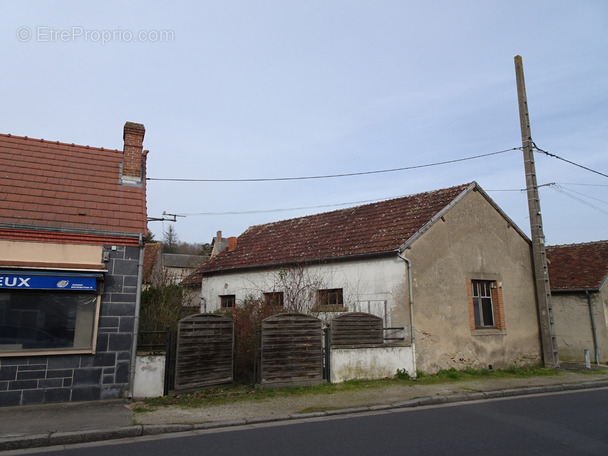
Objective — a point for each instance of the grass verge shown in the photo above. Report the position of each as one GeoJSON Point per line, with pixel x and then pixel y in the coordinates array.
{"type": "Point", "coordinates": [240, 393]}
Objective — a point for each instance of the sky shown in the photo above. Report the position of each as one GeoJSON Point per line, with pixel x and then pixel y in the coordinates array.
{"type": "Point", "coordinates": [273, 89]}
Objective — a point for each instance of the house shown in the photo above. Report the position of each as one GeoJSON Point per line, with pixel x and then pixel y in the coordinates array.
{"type": "Point", "coordinates": [447, 265]}
{"type": "Point", "coordinates": [578, 275]}
{"type": "Point", "coordinates": [168, 268]}
{"type": "Point", "coordinates": [191, 282]}
{"type": "Point", "coordinates": [72, 225]}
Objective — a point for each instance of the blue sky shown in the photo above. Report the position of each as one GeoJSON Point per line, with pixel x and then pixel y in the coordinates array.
{"type": "Point", "coordinates": [241, 89]}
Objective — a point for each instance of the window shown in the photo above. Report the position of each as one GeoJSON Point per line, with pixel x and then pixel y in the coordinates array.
{"type": "Point", "coordinates": [46, 312]}
{"type": "Point", "coordinates": [485, 304]}
{"type": "Point", "coordinates": [274, 299]}
{"type": "Point", "coordinates": [228, 301]}
{"type": "Point", "coordinates": [482, 304]}
{"type": "Point", "coordinates": [330, 299]}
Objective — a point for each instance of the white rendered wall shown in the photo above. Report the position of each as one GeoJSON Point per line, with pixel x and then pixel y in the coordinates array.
{"type": "Point", "coordinates": [370, 363]}
{"type": "Point", "coordinates": [376, 286]}
{"type": "Point", "coordinates": [149, 376]}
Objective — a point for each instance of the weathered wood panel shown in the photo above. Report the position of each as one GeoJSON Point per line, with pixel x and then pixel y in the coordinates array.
{"type": "Point", "coordinates": [356, 328]}
{"type": "Point", "coordinates": [205, 348]}
{"type": "Point", "coordinates": [292, 351]}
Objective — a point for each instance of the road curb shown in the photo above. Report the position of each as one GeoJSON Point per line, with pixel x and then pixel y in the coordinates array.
{"type": "Point", "coordinates": [95, 435]}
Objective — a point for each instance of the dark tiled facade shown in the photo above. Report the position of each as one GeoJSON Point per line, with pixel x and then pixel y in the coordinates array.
{"type": "Point", "coordinates": [69, 378]}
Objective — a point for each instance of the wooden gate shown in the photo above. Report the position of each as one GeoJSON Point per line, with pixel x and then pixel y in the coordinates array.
{"type": "Point", "coordinates": [205, 349]}
{"type": "Point", "coordinates": [292, 351]}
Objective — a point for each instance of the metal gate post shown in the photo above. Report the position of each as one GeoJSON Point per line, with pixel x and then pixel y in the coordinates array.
{"type": "Point", "coordinates": [327, 355]}
{"type": "Point", "coordinates": [170, 346]}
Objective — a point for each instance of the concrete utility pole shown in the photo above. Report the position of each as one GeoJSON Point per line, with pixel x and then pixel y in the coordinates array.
{"type": "Point", "coordinates": [543, 289]}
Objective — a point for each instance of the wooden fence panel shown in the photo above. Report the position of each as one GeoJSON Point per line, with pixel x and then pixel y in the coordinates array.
{"type": "Point", "coordinates": [205, 348]}
{"type": "Point", "coordinates": [292, 351]}
{"type": "Point", "coordinates": [357, 328]}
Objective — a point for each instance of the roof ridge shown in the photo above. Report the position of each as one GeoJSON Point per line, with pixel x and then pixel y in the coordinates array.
{"type": "Point", "coordinates": [335, 211]}
{"type": "Point", "coordinates": [9, 135]}
{"type": "Point", "coordinates": [574, 244]}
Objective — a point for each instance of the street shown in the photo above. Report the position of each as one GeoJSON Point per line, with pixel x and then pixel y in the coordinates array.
{"type": "Point", "coordinates": [556, 424]}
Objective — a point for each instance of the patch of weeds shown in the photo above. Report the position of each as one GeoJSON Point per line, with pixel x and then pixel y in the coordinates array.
{"type": "Point", "coordinates": [402, 375]}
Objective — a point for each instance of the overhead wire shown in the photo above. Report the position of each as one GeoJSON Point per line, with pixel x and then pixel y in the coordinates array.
{"type": "Point", "coordinates": [332, 176]}
{"type": "Point", "coordinates": [568, 161]}
{"type": "Point", "coordinates": [557, 187]}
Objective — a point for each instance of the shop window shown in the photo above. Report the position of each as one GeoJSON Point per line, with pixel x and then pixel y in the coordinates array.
{"type": "Point", "coordinates": [46, 313]}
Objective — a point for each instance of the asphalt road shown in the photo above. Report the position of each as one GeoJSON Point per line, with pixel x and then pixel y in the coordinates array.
{"type": "Point", "coordinates": [574, 423]}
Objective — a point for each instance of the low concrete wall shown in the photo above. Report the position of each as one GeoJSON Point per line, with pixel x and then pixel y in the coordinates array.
{"type": "Point", "coordinates": [370, 362]}
{"type": "Point", "coordinates": [149, 376]}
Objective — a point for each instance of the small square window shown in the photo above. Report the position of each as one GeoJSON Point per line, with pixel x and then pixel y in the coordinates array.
{"type": "Point", "coordinates": [228, 301]}
{"type": "Point", "coordinates": [274, 299]}
{"type": "Point", "coordinates": [331, 298]}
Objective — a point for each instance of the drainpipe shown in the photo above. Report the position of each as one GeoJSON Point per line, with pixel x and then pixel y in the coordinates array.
{"type": "Point", "coordinates": [593, 331]}
{"type": "Point", "coordinates": [140, 273]}
{"type": "Point", "coordinates": [411, 299]}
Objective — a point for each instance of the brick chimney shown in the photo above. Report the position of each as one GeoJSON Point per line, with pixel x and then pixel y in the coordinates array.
{"type": "Point", "coordinates": [133, 153]}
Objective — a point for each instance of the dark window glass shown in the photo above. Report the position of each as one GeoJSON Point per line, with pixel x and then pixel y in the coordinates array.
{"type": "Point", "coordinates": [228, 301]}
{"type": "Point", "coordinates": [331, 298]}
{"type": "Point", "coordinates": [482, 303]}
{"type": "Point", "coordinates": [46, 320]}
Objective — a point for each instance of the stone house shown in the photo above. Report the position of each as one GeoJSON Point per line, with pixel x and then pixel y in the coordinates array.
{"type": "Point", "coordinates": [578, 274]}
{"type": "Point", "coordinates": [72, 224]}
{"type": "Point", "coordinates": [447, 265]}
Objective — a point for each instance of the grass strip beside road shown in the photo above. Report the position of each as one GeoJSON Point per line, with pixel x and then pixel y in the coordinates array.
{"type": "Point", "coordinates": [244, 392]}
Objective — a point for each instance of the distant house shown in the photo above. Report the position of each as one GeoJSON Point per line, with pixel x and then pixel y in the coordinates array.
{"type": "Point", "coordinates": [72, 224]}
{"type": "Point", "coordinates": [168, 268]}
{"type": "Point", "coordinates": [578, 274]}
{"type": "Point", "coordinates": [192, 281]}
{"type": "Point", "coordinates": [447, 265]}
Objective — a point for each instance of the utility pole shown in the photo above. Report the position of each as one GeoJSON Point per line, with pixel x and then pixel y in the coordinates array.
{"type": "Point", "coordinates": [541, 274]}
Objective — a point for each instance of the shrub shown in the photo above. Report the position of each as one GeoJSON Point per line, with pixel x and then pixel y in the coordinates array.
{"type": "Point", "coordinates": [248, 318]}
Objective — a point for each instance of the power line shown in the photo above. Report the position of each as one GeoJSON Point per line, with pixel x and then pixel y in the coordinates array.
{"type": "Point", "coordinates": [561, 190]}
{"type": "Point", "coordinates": [331, 176]}
{"type": "Point", "coordinates": [553, 185]}
{"type": "Point", "coordinates": [567, 161]}
{"type": "Point", "coordinates": [262, 211]}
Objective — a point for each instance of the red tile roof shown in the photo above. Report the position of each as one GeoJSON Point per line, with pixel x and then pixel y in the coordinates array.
{"type": "Point", "coordinates": [373, 228]}
{"type": "Point", "coordinates": [52, 186]}
{"type": "Point", "coordinates": [578, 266]}
{"type": "Point", "coordinates": [150, 257]}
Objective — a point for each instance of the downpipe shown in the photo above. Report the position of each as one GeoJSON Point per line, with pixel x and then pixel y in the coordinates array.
{"type": "Point", "coordinates": [593, 329]}
{"type": "Point", "coordinates": [411, 302]}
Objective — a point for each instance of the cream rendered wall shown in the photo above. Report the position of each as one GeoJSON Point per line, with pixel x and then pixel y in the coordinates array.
{"type": "Point", "coordinates": [573, 325]}
{"type": "Point", "coordinates": [472, 241]}
{"type": "Point", "coordinates": [46, 252]}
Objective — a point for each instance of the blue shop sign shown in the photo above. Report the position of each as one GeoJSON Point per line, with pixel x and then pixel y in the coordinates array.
{"type": "Point", "coordinates": [46, 281]}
